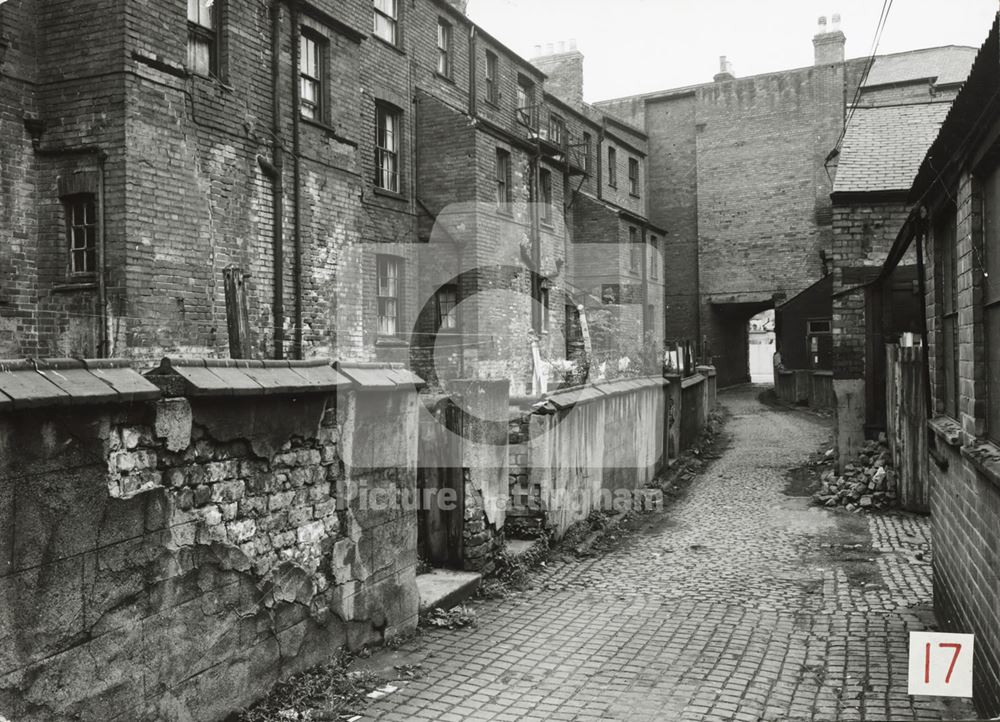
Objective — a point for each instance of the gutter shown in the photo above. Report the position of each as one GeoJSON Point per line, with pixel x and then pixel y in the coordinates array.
{"type": "Point", "coordinates": [296, 184]}
{"type": "Point", "coordinates": [275, 171]}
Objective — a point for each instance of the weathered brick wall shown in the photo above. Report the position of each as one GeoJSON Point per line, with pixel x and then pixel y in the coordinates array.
{"type": "Point", "coordinates": [173, 560]}
{"type": "Point", "coordinates": [965, 493]}
{"type": "Point", "coordinates": [862, 237]}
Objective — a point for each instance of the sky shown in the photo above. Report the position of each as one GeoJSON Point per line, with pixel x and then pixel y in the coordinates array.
{"type": "Point", "coordinates": [639, 46]}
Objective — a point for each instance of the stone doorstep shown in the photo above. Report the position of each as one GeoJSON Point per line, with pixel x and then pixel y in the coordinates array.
{"type": "Point", "coordinates": [444, 588]}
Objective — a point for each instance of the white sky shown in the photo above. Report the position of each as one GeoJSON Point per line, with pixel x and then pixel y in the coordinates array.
{"type": "Point", "coordinates": [637, 46]}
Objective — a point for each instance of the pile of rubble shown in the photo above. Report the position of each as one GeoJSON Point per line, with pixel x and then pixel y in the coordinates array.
{"type": "Point", "coordinates": [868, 483]}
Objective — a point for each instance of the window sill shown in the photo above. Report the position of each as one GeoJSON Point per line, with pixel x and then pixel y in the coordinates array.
{"type": "Point", "coordinates": [505, 211]}
{"type": "Point", "coordinates": [547, 225]}
{"type": "Point", "coordinates": [635, 195]}
{"type": "Point", "coordinates": [492, 104]}
{"type": "Point", "coordinates": [445, 78]}
{"type": "Point", "coordinates": [389, 194]}
{"type": "Point", "coordinates": [985, 457]}
{"type": "Point", "coordinates": [77, 285]}
{"type": "Point", "coordinates": [946, 429]}
{"type": "Point", "coordinates": [391, 342]}
{"type": "Point", "coordinates": [330, 131]}
{"type": "Point", "coordinates": [391, 46]}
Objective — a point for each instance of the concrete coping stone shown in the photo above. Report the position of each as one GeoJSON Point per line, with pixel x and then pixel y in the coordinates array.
{"type": "Point", "coordinates": [692, 381]}
{"type": "Point", "coordinates": [35, 383]}
{"type": "Point", "coordinates": [240, 377]}
{"type": "Point", "coordinates": [708, 371]}
{"type": "Point", "coordinates": [823, 373]}
{"type": "Point", "coordinates": [570, 397]}
{"type": "Point", "coordinates": [948, 430]}
{"type": "Point", "coordinates": [385, 377]}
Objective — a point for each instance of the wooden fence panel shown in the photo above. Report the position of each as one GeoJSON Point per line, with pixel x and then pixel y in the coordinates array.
{"type": "Point", "coordinates": [906, 424]}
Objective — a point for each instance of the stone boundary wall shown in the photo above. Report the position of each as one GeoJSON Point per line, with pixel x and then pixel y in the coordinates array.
{"type": "Point", "coordinates": [172, 559]}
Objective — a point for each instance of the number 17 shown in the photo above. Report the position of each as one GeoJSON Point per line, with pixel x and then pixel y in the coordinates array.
{"type": "Point", "coordinates": [951, 667]}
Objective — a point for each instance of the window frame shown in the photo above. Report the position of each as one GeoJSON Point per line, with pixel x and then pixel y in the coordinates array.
{"type": "Point", "coordinates": [545, 299]}
{"type": "Point", "coordinates": [451, 313]}
{"type": "Point", "coordinates": [384, 261]}
{"type": "Point", "coordinates": [811, 333]}
{"type": "Point", "coordinates": [588, 148]}
{"type": "Point", "coordinates": [210, 35]}
{"type": "Point", "coordinates": [557, 129]}
{"type": "Point", "coordinates": [445, 62]}
{"type": "Point", "coordinates": [654, 253]}
{"type": "Point", "coordinates": [391, 21]}
{"type": "Point", "coordinates": [545, 196]}
{"type": "Point", "coordinates": [492, 77]}
{"type": "Point", "coordinates": [383, 112]}
{"type": "Point", "coordinates": [504, 188]}
{"type": "Point", "coordinates": [612, 166]}
{"type": "Point", "coordinates": [526, 95]}
{"type": "Point", "coordinates": [89, 231]}
{"type": "Point", "coordinates": [634, 260]}
{"type": "Point", "coordinates": [633, 176]}
{"type": "Point", "coordinates": [945, 231]}
{"type": "Point", "coordinates": [989, 186]}
{"type": "Point", "coordinates": [319, 81]}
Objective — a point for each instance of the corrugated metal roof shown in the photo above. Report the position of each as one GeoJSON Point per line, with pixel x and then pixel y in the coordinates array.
{"type": "Point", "coordinates": [884, 146]}
{"type": "Point", "coordinates": [947, 66]}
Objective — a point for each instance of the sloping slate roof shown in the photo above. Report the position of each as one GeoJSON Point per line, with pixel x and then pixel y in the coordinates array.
{"type": "Point", "coordinates": [883, 147]}
{"type": "Point", "coordinates": [948, 65]}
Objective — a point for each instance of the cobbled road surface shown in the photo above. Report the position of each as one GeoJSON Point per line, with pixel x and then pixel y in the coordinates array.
{"type": "Point", "coordinates": [743, 603]}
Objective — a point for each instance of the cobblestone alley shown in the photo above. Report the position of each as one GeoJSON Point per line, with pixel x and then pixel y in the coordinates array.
{"type": "Point", "coordinates": [744, 604]}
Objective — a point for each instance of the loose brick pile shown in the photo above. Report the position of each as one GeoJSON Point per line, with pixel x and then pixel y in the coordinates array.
{"type": "Point", "coordinates": [867, 484]}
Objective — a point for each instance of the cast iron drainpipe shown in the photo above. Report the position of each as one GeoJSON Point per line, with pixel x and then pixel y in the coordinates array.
{"type": "Point", "coordinates": [275, 171]}
{"type": "Point", "coordinates": [296, 183]}
{"type": "Point", "coordinates": [104, 342]}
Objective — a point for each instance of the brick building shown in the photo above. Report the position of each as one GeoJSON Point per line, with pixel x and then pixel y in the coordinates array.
{"type": "Point", "coordinates": [298, 161]}
{"type": "Point", "coordinates": [954, 235]}
{"type": "Point", "coordinates": [740, 174]}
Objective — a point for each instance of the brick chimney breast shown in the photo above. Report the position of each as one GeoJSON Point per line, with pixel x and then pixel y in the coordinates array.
{"type": "Point", "coordinates": [725, 70]}
{"type": "Point", "coordinates": [829, 42]}
{"type": "Point", "coordinates": [563, 64]}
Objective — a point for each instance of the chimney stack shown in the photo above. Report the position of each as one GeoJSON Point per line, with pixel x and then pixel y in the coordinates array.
{"type": "Point", "coordinates": [460, 5]}
{"type": "Point", "coordinates": [725, 70]}
{"type": "Point", "coordinates": [829, 42]}
{"type": "Point", "coordinates": [563, 64]}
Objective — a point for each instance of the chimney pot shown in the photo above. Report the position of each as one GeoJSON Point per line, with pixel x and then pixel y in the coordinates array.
{"type": "Point", "coordinates": [562, 46]}
{"type": "Point", "coordinates": [538, 51]}
{"type": "Point", "coordinates": [572, 44]}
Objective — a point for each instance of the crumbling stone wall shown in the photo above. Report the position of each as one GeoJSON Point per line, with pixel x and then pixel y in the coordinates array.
{"type": "Point", "coordinates": [173, 560]}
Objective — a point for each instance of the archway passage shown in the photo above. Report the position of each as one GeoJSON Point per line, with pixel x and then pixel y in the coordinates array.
{"type": "Point", "coordinates": [729, 337]}
{"type": "Point", "coordinates": [761, 347]}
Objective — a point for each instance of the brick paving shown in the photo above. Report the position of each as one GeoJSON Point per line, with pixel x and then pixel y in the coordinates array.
{"type": "Point", "coordinates": [744, 604]}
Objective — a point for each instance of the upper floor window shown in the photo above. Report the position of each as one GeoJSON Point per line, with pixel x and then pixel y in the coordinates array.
{"type": "Point", "coordinates": [503, 179]}
{"type": "Point", "coordinates": [546, 308]}
{"type": "Point", "coordinates": [612, 167]}
{"type": "Point", "coordinates": [633, 176]}
{"type": "Point", "coordinates": [444, 48]}
{"type": "Point", "coordinates": [588, 143]}
{"type": "Point", "coordinates": [387, 294]}
{"type": "Point", "coordinates": [526, 101]}
{"type": "Point", "coordinates": [492, 79]}
{"type": "Point", "coordinates": [654, 260]}
{"type": "Point", "coordinates": [557, 129]}
{"type": "Point", "coordinates": [947, 264]}
{"type": "Point", "coordinates": [447, 307]}
{"type": "Point", "coordinates": [634, 249]}
{"type": "Point", "coordinates": [387, 148]}
{"type": "Point", "coordinates": [203, 37]}
{"type": "Point", "coordinates": [385, 24]}
{"type": "Point", "coordinates": [991, 299]}
{"type": "Point", "coordinates": [545, 195]}
{"type": "Point", "coordinates": [81, 232]}
{"type": "Point", "coordinates": [312, 52]}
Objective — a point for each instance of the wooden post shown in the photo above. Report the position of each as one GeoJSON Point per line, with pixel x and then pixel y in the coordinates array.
{"type": "Point", "coordinates": [237, 317]}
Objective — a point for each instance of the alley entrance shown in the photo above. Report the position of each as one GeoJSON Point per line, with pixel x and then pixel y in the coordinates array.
{"type": "Point", "coordinates": [743, 602]}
